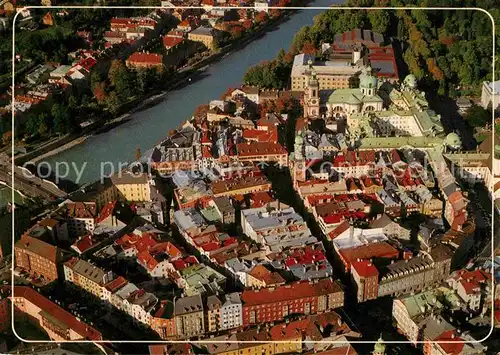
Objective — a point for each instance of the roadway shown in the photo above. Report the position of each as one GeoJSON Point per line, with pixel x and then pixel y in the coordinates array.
{"type": "Point", "coordinates": [27, 183]}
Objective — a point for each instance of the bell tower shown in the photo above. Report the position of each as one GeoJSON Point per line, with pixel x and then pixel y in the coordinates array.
{"type": "Point", "coordinates": [311, 97]}
{"type": "Point", "coordinates": [299, 163]}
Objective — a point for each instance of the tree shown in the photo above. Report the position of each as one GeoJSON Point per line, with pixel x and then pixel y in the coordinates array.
{"type": "Point", "coordinates": [309, 48]}
{"type": "Point", "coordinates": [125, 82]}
{"type": "Point", "coordinates": [236, 31]}
{"type": "Point", "coordinates": [261, 17]}
{"type": "Point", "coordinates": [113, 102]}
{"type": "Point", "coordinates": [7, 137]}
{"type": "Point", "coordinates": [100, 92]}
{"type": "Point", "coordinates": [201, 111]}
{"type": "Point", "coordinates": [147, 79]}
{"type": "Point", "coordinates": [379, 20]}
{"type": "Point", "coordinates": [434, 69]}
{"type": "Point", "coordinates": [477, 116]}
{"type": "Point", "coordinates": [113, 70]}
{"type": "Point", "coordinates": [62, 118]}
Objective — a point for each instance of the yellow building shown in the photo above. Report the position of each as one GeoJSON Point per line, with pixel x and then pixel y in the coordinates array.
{"type": "Point", "coordinates": [132, 187]}
{"type": "Point", "coordinates": [204, 35]}
{"type": "Point", "coordinates": [87, 276]}
{"type": "Point", "coordinates": [292, 346]}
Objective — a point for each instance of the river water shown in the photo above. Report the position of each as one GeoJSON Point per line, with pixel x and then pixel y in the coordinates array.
{"type": "Point", "coordinates": [150, 126]}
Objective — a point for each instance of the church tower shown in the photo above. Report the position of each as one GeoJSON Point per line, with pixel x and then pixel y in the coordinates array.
{"type": "Point", "coordinates": [368, 83]}
{"type": "Point", "coordinates": [299, 163]}
{"type": "Point", "coordinates": [311, 97]}
{"type": "Point", "coordinates": [379, 348]}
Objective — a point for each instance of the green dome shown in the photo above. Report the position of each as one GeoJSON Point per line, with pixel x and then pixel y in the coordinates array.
{"type": "Point", "coordinates": [379, 346]}
{"type": "Point", "coordinates": [367, 81]}
{"type": "Point", "coordinates": [298, 139]}
{"type": "Point", "coordinates": [453, 140]}
{"type": "Point", "coordinates": [411, 81]}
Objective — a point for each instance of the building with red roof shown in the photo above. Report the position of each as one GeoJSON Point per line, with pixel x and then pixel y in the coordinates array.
{"type": "Point", "coordinates": [83, 244]}
{"type": "Point", "coordinates": [170, 42]}
{"type": "Point", "coordinates": [471, 286]}
{"type": "Point", "coordinates": [262, 152]}
{"type": "Point", "coordinates": [275, 303]}
{"type": "Point", "coordinates": [377, 250]}
{"type": "Point", "coordinates": [261, 136]}
{"type": "Point", "coordinates": [163, 320]}
{"type": "Point", "coordinates": [260, 276]}
{"type": "Point", "coordinates": [145, 60]}
{"type": "Point", "coordinates": [37, 257]}
{"type": "Point", "coordinates": [365, 276]}
{"type": "Point", "coordinates": [59, 324]}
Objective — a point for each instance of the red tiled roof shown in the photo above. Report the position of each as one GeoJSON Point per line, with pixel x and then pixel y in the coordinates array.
{"type": "Point", "coordinates": [145, 58]}
{"type": "Point", "coordinates": [339, 230]}
{"type": "Point", "coordinates": [170, 42]}
{"type": "Point", "coordinates": [81, 328]}
{"type": "Point", "coordinates": [205, 152]}
{"type": "Point", "coordinates": [292, 291]}
{"type": "Point", "coordinates": [369, 251]}
{"type": "Point", "coordinates": [146, 260]}
{"type": "Point", "coordinates": [472, 280]}
{"type": "Point", "coordinates": [116, 284]}
{"type": "Point", "coordinates": [454, 344]}
{"type": "Point", "coordinates": [175, 33]}
{"type": "Point", "coordinates": [258, 135]}
{"type": "Point", "coordinates": [106, 211]}
{"type": "Point", "coordinates": [38, 247]}
{"type": "Point", "coordinates": [181, 264]}
{"type": "Point", "coordinates": [83, 244]}
{"type": "Point", "coordinates": [364, 268]}
{"type": "Point", "coordinates": [88, 62]}
{"type": "Point", "coordinates": [261, 273]}
{"type": "Point", "coordinates": [81, 209]}
{"type": "Point", "coordinates": [305, 256]}
{"type": "Point", "coordinates": [264, 148]}
{"type": "Point", "coordinates": [260, 199]}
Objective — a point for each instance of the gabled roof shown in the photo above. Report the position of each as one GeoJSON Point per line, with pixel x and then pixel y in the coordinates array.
{"type": "Point", "coordinates": [52, 310]}
{"type": "Point", "coordinates": [38, 247]}
{"type": "Point", "coordinates": [365, 268]}
{"type": "Point", "coordinates": [289, 292]}
{"type": "Point", "coordinates": [260, 272]}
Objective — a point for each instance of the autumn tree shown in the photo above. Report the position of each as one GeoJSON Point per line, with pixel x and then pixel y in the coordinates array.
{"type": "Point", "coordinates": [236, 31]}
{"type": "Point", "coordinates": [309, 48]}
{"type": "Point", "coordinates": [100, 92]}
{"type": "Point", "coordinates": [226, 93]}
{"type": "Point", "coordinates": [434, 69]}
{"type": "Point", "coordinates": [261, 17]}
{"type": "Point", "coordinates": [201, 111]}
{"type": "Point", "coordinates": [7, 137]}
{"type": "Point", "coordinates": [113, 70]}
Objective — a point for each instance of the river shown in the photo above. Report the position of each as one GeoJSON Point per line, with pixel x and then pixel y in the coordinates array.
{"type": "Point", "coordinates": [150, 126]}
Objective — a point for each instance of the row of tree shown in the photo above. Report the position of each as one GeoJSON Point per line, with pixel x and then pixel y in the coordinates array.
{"type": "Point", "coordinates": [273, 74]}
{"type": "Point", "coordinates": [120, 84]}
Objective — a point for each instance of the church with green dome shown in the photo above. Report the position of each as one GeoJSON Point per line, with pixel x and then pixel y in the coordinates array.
{"type": "Point", "coordinates": [374, 108]}
{"type": "Point", "coordinates": [338, 103]}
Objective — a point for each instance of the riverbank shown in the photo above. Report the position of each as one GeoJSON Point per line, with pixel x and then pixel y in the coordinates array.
{"type": "Point", "coordinates": [151, 125]}
{"type": "Point", "coordinates": [181, 79]}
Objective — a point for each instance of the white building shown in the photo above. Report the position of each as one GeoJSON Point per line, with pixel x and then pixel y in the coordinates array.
{"type": "Point", "coordinates": [231, 311]}
{"type": "Point", "coordinates": [409, 311]}
{"type": "Point", "coordinates": [490, 94]}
